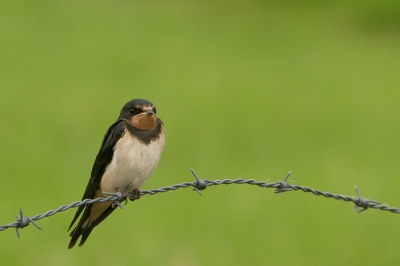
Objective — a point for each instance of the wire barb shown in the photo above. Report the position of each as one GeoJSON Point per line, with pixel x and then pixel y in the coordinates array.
{"type": "Point", "coordinates": [200, 184]}
{"type": "Point", "coordinates": [24, 221]}
{"type": "Point", "coordinates": [361, 204]}
{"type": "Point", "coordinates": [119, 198]}
{"type": "Point", "coordinates": [284, 185]}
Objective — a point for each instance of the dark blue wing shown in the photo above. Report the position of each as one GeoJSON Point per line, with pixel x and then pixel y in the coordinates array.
{"type": "Point", "coordinates": [103, 159]}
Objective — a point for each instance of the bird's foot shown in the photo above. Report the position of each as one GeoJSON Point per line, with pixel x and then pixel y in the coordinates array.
{"type": "Point", "coordinates": [124, 194]}
{"type": "Point", "coordinates": [136, 195]}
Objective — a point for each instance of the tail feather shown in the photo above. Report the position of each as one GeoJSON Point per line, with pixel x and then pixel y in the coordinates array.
{"type": "Point", "coordinates": [78, 232]}
{"type": "Point", "coordinates": [83, 228]}
{"type": "Point", "coordinates": [78, 212]}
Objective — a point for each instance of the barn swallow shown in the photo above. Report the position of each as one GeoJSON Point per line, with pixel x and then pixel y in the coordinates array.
{"type": "Point", "coordinates": [128, 156]}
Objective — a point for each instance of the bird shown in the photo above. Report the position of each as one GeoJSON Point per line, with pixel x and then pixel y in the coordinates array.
{"type": "Point", "coordinates": [129, 154]}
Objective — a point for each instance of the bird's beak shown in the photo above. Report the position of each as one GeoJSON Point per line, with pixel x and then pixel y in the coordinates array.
{"type": "Point", "coordinates": [149, 112]}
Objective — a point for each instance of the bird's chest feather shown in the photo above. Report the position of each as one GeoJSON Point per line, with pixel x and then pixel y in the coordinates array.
{"type": "Point", "coordinates": [132, 164]}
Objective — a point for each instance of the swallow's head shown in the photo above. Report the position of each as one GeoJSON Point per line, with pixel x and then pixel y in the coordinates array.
{"type": "Point", "coordinates": [140, 114]}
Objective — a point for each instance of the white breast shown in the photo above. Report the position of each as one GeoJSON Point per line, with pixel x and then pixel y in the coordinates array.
{"type": "Point", "coordinates": [132, 164]}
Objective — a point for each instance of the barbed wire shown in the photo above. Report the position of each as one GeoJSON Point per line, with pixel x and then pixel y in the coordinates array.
{"type": "Point", "coordinates": [361, 204]}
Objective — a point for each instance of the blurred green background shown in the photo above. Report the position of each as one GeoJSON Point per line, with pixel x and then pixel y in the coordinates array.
{"type": "Point", "coordinates": [246, 89]}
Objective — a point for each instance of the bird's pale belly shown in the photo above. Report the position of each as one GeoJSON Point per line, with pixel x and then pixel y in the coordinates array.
{"type": "Point", "coordinates": [132, 164]}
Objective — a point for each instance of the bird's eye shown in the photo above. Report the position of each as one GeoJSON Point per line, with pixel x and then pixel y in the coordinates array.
{"type": "Point", "coordinates": [134, 111]}
{"type": "Point", "coordinates": [154, 110]}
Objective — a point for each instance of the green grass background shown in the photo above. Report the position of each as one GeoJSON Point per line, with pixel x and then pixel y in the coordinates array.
{"type": "Point", "coordinates": [246, 89]}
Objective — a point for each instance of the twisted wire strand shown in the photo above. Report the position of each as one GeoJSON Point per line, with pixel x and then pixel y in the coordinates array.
{"type": "Point", "coordinates": [361, 203]}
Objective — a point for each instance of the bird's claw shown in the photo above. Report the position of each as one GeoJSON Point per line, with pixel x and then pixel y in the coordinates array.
{"type": "Point", "coordinates": [124, 194]}
{"type": "Point", "coordinates": [136, 195]}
